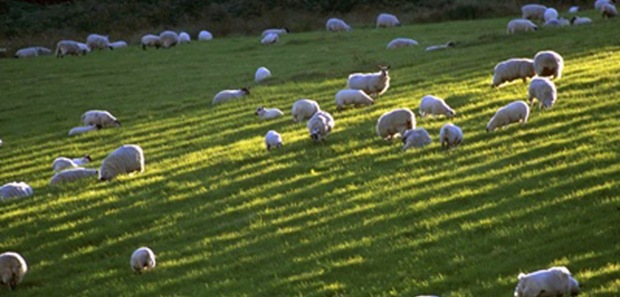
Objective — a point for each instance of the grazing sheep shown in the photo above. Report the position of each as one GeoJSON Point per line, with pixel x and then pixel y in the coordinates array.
{"type": "Point", "coordinates": [268, 113]}
{"type": "Point", "coordinates": [270, 38]}
{"type": "Point", "coordinates": [320, 125]}
{"type": "Point", "coordinates": [336, 25]}
{"type": "Point", "coordinates": [15, 190]}
{"type": "Point", "coordinates": [417, 138]}
{"type": "Point", "coordinates": [608, 10]}
{"type": "Point", "coordinates": [62, 163]}
{"type": "Point", "coordinates": [573, 9]}
{"type": "Point", "coordinates": [371, 83]}
{"type": "Point", "coordinates": [273, 139]}
{"type": "Point", "coordinates": [435, 105]}
{"type": "Point", "coordinates": [83, 129]}
{"type": "Point", "coordinates": [277, 31]}
{"type": "Point", "coordinates": [68, 47]}
{"type": "Point", "coordinates": [555, 281]}
{"type": "Point", "coordinates": [599, 3]}
{"type": "Point", "coordinates": [261, 74]}
{"type": "Point", "coordinates": [440, 46]}
{"type": "Point", "coordinates": [514, 112]}
{"type": "Point", "coordinates": [102, 118]}
{"type": "Point", "coordinates": [550, 14]}
{"type": "Point", "coordinates": [150, 40]}
{"type": "Point", "coordinates": [71, 175]}
{"type": "Point", "coordinates": [125, 159]}
{"type": "Point", "coordinates": [544, 90]}
{"type": "Point", "coordinates": [511, 69]}
{"type": "Point", "coordinates": [548, 63]}
{"type": "Point", "coordinates": [450, 135]}
{"type": "Point", "coordinates": [533, 11]}
{"type": "Point", "coordinates": [168, 39]}
{"type": "Point", "coordinates": [34, 51]}
{"type": "Point", "coordinates": [118, 44]}
{"type": "Point", "coordinates": [561, 22]}
{"type": "Point", "coordinates": [576, 21]}
{"type": "Point", "coordinates": [348, 96]}
{"type": "Point", "coordinates": [13, 268]}
{"type": "Point", "coordinates": [184, 38]}
{"type": "Point", "coordinates": [227, 95]}
{"type": "Point", "coordinates": [304, 109]}
{"type": "Point", "coordinates": [401, 42]}
{"type": "Point", "coordinates": [96, 41]}
{"type": "Point", "coordinates": [385, 20]}
{"type": "Point", "coordinates": [394, 122]}
{"type": "Point", "coordinates": [519, 25]}
{"type": "Point", "coordinates": [142, 259]}
{"type": "Point", "coordinates": [205, 35]}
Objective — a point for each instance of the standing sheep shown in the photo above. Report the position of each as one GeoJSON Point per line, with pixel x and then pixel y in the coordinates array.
{"type": "Point", "coordinates": [168, 39]}
{"type": "Point", "coordinates": [336, 25]}
{"type": "Point", "coordinates": [417, 138]}
{"type": "Point", "coordinates": [261, 74]}
{"type": "Point", "coordinates": [533, 12]}
{"type": "Point", "coordinates": [356, 97]}
{"type": "Point", "coordinates": [71, 175]}
{"type": "Point", "coordinates": [13, 268]}
{"type": "Point", "coordinates": [304, 109]}
{"type": "Point", "coordinates": [401, 42]}
{"type": "Point", "coordinates": [270, 38]}
{"type": "Point", "coordinates": [268, 113]}
{"type": "Point", "coordinates": [83, 129]}
{"type": "Point", "coordinates": [395, 122]}
{"type": "Point", "coordinates": [205, 36]}
{"type": "Point", "coordinates": [548, 63]}
{"type": "Point", "coordinates": [150, 40]}
{"type": "Point", "coordinates": [142, 259]}
{"type": "Point", "coordinates": [227, 95]}
{"type": "Point", "coordinates": [371, 83]}
{"type": "Point", "coordinates": [519, 25]}
{"type": "Point", "coordinates": [68, 47]}
{"type": "Point", "coordinates": [125, 159]}
{"type": "Point", "coordinates": [435, 105]}
{"type": "Point", "coordinates": [273, 139]}
{"type": "Point", "coordinates": [96, 41]}
{"type": "Point", "coordinates": [450, 135]}
{"type": "Point", "coordinates": [555, 281]}
{"type": "Point", "coordinates": [511, 69]}
{"type": "Point", "coordinates": [62, 163]}
{"type": "Point", "coordinates": [551, 14]}
{"type": "Point", "coordinates": [440, 46]}
{"type": "Point", "coordinates": [34, 51]}
{"type": "Point", "coordinates": [385, 20]}
{"type": "Point", "coordinates": [544, 90]}
{"type": "Point", "coordinates": [102, 118]}
{"type": "Point", "coordinates": [15, 190]}
{"type": "Point", "coordinates": [514, 112]}
{"type": "Point", "coordinates": [184, 38]}
{"type": "Point", "coordinates": [608, 10]}
{"type": "Point", "coordinates": [320, 125]}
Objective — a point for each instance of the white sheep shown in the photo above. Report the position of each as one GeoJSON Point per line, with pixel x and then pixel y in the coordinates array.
{"type": "Point", "coordinates": [71, 175]}
{"type": "Point", "coordinates": [544, 90]}
{"type": "Point", "coordinates": [304, 109]}
{"type": "Point", "coordinates": [336, 25]}
{"type": "Point", "coordinates": [118, 44]}
{"type": "Point", "coordinates": [15, 190]}
{"type": "Point", "coordinates": [430, 104]}
{"type": "Point", "coordinates": [34, 51]}
{"type": "Point", "coordinates": [520, 25]}
{"type": "Point", "coordinates": [184, 38]}
{"type": "Point", "coordinates": [450, 135]}
{"type": "Point", "coordinates": [102, 118]}
{"type": "Point", "coordinates": [417, 138]}
{"type": "Point", "coordinates": [273, 139]}
{"type": "Point", "coordinates": [608, 10]}
{"type": "Point", "coordinates": [270, 38]}
{"type": "Point", "coordinates": [555, 281]}
{"type": "Point", "coordinates": [227, 95]}
{"type": "Point", "coordinates": [150, 40]}
{"type": "Point", "coordinates": [261, 74]}
{"type": "Point", "coordinates": [125, 159]}
{"type": "Point", "coordinates": [68, 47]}
{"type": "Point", "coordinates": [599, 3]}
{"type": "Point", "coordinates": [142, 259]}
{"type": "Point", "coordinates": [514, 112]}
{"type": "Point", "coordinates": [550, 14]}
{"type": "Point", "coordinates": [205, 35]}
{"type": "Point", "coordinates": [350, 96]}
{"type": "Point", "coordinates": [385, 20]}
{"type": "Point", "coordinates": [449, 44]}
{"type": "Point", "coordinates": [62, 163]}
{"type": "Point", "coordinates": [511, 69]}
{"type": "Point", "coordinates": [561, 22]}
{"type": "Point", "coordinates": [371, 83]}
{"type": "Point", "coordinates": [13, 268]}
{"type": "Point", "coordinates": [96, 41]}
{"type": "Point", "coordinates": [394, 122]}
{"type": "Point", "coordinates": [168, 39]}
{"type": "Point", "coordinates": [268, 113]}
{"type": "Point", "coordinates": [533, 11]}
{"type": "Point", "coordinates": [83, 129]}
{"type": "Point", "coordinates": [277, 31]}
{"type": "Point", "coordinates": [576, 21]}
{"type": "Point", "coordinates": [401, 42]}
{"type": "Point", "coordinates": [548, 63]}
{"type": "Point", "coordinates": [574, 9]}
{"type": "Point", "coordinates": [320, 125]}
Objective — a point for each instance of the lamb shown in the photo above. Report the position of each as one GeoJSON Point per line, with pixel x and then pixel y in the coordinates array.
{"type": "Point", "coordinates": [13, 268]}
{"type": "Point", "coordinates": [561, 22]}
{"type": "Point", "coordinates": [575, 21]}
{"type": "Point", "coordinates": [150, 40]}
{"type": "Point", "coordinates": [62, 163]}
{"type": "Point", "coordinates": [205, 35]}
{"type": "Point", "coordinates": [519, 25]}
{"type": "Point", "coordinates": [118, 44]}
{"type": "Point", "coordinates": [511, 69]}
{"type": "Point", "coordinates": [395, 122]}
{"type": "Point", "coordinates": [401, 42]}
{"type": "Point", "coordinates": [71, 175]}
{"type": "Point", "coordinates": [371, 83]}
{"type": "Point", "coordinates": [96, 41]}
{"type": "Point", "coordinates": [514, 112]}
{"type": "Point", "coordinates": [261, 74]}
{"type": "Point", "coordinates": [320, 125]}
{"type": "Point", "coordinates": [440, 47]}
{"type": "Point", "coordinates": [548, 63]}
{"type": "Point", "coordinates": [434, 105]}
{"type": "Point", "coordinates": [550, 14]}
{"type": "Point", "coordinates": [270, 38]}
{"type": "Point", "coordinates": [84, 129]}
{"type": "Point", "coordinates": [227, 95]}
{"type": "Point", "coordinates": [273, 139]}
{"type": "Point", "coordinates": [608, 10]}
{"type": "Point", "coordinates": [417, 138]}
{"type": "Point", "coordinates": [268, 113]}
{"type": "Point", "coordinates": [277, 31]}
{"type": "Point", "coordinates": [304, 109]}
{"type": "Point", "coordinates": [450, 135]}
{"type": "Point", "coordinates": [15, 190]}
{"type": "Point", "coordinates": [168, 39]}
{"type": "Point", "coordinates": [555, 281]}
{"type": "Point", "coordinates": [599, 3]}
{"type": "Point", "coordinates": [184, 38]}
{"type": "Point", "coordinates": [101, 118]}
{"type": "Point", "coordinates": [142, 259]}
{"type": "Point", "coordinates": [544, 90]}
{"type": "Point", "coordinates": [68, 47]}
{"type": "Point", "coordinates": [336, 25]}
{"type": "Point", "coordinates": [385, 20]}
{"type": "Point", "coordinates": [533, 11]}
{"type": "Point", "coordinates": [34, 51]}
{"type": "Point", "coordinates": [125, 159]}
{"type": "Point", "coordinates": [349, 96]}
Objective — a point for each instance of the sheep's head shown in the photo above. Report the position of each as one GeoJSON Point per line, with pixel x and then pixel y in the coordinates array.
{"type": "Point", "coordinates": [572, 20]}
{"type": "Point", "coordinates": [451, 44]}
{"type": "Point", "coordinates": [259, 110]}
{"type": "Point", "coordinates": [451, 113]}
{"type": "Point", "coordinates": [117, 123]}
{"type": "Point", "coordinates": [246, 90]}
{"type": "Point", "coordinates": [88, 158]}
{"type": "Point", "coordinates": [287, 30]}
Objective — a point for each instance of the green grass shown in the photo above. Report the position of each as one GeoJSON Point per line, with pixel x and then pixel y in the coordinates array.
{"type": "Point", "coordinates": [355, 216]}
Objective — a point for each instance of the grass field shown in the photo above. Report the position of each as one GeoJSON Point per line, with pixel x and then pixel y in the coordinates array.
{"type": "Point", "coordinates": [354, 216]}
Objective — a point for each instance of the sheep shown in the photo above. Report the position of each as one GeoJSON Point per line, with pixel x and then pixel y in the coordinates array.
{"type": "Point", "coordinates": [450, 135]}
{"type": "Point", "coordinates": [150, 40]}
{"type": "Point", "coordinates": [15, 190]}
{"type": "Point", "coordinates": [168, 39]}
{"type": "Point", "coordinates": [544, 90]}
{"type": "Point", "coordinates": [62, 163]}
{"type": "Point", "coordinates": [599, 3]}
{"type": "Point", "coordinates": [336, 25]}
{"type": "Point", "coordinates": [434, 105]}
{"type": "Point", "coordinates": [268, 113]}
{"type": "Point", "coordinates": [371, 83]}
{"type": "Point", "coordinates": [96, 41]}
{"type": "Point", "coordinates": [440, 46]}
{"type": "Point", "coordinates": [71, 175]}
{"type": "Point", "coordinates": [511, 69]}
{"type": "Point", "coordinates": [573, 9]}
{"type": "Point", "coordinates": [401, 42]}
{"type": "Point", "coordinates": [550, 14]}
{"type": "Point", "coordinates": [142, 259]}
{"type": "Point", "coordinates": [68, 47]}
{"type": "Point", "coordinates": [561, 22]}
{"type": "Point", "coordinates": [118, 44]}
{"type": "Point", "coordinates": [608, 10]}
{"type": "Point", "coordinates": [83, 129]}
{"type": "Point", "coordinates": [320, 125]}
{"type": "Point", "coordinates": [261, 74]}
{"type": "Point", "coordinates": [575, 21]}
{"type": "Point", "coordinates": [273, 139]}
{"type": "Point", "coordinates": [519, 25]}
{"type": "Point", "coordinates": [205, 35]}
{"type": "Point", "coordinates": [533, 11]}
{"type": "Point", "coordinates": [13, 268]}
{"type": "Point", "coordinates": [385, 20]}
{"type": "Point", "coordinates": [277, 31]}
{"type": "Point", "coordinates": [184, 38]}
{"type": "Point", "coordinates": [125, 159]}
{"type": "Point", "coordinates": [417, 138]}
{"type": "Point", "coordinates": [227, 95]}
{"type": "Point", "coordinates": [514, 112]}
{"type": "Point", "coordinates": [394, 122]}
{"type": "Point", "coordinates": [304, 109]}
{"type": "Point", "coordinates": [270, 38]}
{"type": "Point", "coordinates": [555, 281]}
{"type": "Point", "coordinates": [349, 96]}
{"type": "Point", "coordinates": [548, 63]}
{"type": "Point", "coordinates": [34, 51]}
{"type": "Point", "coordinates": [102, 118]}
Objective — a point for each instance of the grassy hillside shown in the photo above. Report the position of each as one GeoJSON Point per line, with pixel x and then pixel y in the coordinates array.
{"type": "Point", "coordinates": [354, 216]}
